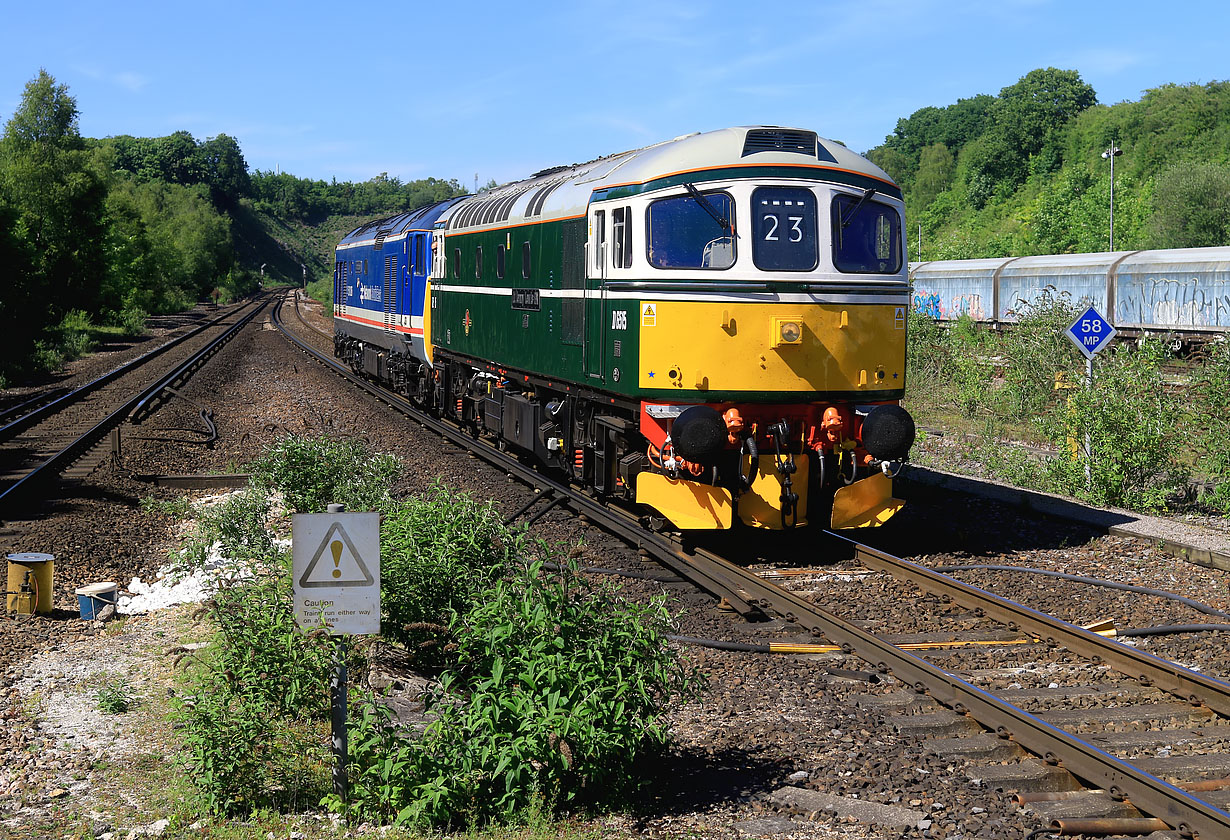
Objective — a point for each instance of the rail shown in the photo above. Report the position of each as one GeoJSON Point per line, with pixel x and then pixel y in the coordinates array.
{"type": "Point", "coordinates": [65, 457]}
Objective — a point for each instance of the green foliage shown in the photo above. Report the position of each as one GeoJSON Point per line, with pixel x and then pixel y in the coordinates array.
{"type": "Point", "coordinates": [927, 356]}
{"type": "Point", "coordinates": [321, 290]}
{"type": "Point", "coordinates": [253, 702]}
{"type": "Point", "coordinates": [75, 334]}
{"type": "Point", "coordinates": [439, 551]}
{"type": "Point", "coordinates": [559, 692]}
{"type": "Point", "coordinates": [1128, 418]}
{"type": "Point", "coordinates": [217, 163]}
{"type": "Point", "coordinates": [178, 507]}
{"type": "Point", "coordinates": [51, 196]}
{"type": "Point", "coordinates": [314, 472]}
{"type": "Point", "coordinates": [1034, 351]}
{"type": "Point", "coordinates": [1029, 177]}
{"type": "Point", "coordinates": [1191, 206]}
{"type": "Point", "coordinates": [305, 199]}
{"type": "Point", "coordinates": [1138, 459]}
{"type": "Point", "coordinates": [238, 526]}
{"type": "Point", "coordinates": [935, 171]}
{"type": "Point", "coordinates": [1209, 421]}
{"type": "Point", "coordinates": [132, 320]}
{"type": "Point", "coordinates": [971, 363]}
{"type": "Point", "coordinates": [114, 696]}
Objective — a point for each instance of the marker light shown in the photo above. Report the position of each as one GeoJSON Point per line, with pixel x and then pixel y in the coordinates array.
{"type": "Point", "coordinates": [788, 331]}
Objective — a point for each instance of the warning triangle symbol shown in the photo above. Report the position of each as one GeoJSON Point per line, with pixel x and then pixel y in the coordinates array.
{"type": "Point", "coordinates": [342, 564]}
{"type": "Point", "coordinates": [649, 310]}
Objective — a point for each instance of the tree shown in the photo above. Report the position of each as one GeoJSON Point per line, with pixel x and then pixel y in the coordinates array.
{"type": "Point", "coordinates": [55, 189]}
{"type": "Point", "coordinates": [1033, 111]}
{"type": "Point", "coordinates": [1191, 206]}
{"type": "Point", "coordinates": [225, 170]}
{"type": "Point", "coordinates": [935, 168]}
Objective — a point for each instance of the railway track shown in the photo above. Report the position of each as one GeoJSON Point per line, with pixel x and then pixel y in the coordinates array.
{"type": "Point", "coordinates": [42, 440]}
{"type": "Point", "coordinates": [1074, 753]}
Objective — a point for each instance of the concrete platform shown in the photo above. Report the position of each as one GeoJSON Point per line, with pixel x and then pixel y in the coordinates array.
{"type": "Point", "coordinates": [1197, 544]}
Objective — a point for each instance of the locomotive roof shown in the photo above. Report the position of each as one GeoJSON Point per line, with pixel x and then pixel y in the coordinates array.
{"type": "Point", "coordinates": [421, 218]}
{"type": "Point", "coordinates": [565, 192]}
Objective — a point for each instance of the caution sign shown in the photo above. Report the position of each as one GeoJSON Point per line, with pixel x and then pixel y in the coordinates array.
{"type": "Point", "coordinates": [649, 315]}
{"type": "Point", "coordinates": [335, 564]}
{"type": "Point", "coordinates": [348, 567]}
{"type": "Point", "coordinates": [899, 318]}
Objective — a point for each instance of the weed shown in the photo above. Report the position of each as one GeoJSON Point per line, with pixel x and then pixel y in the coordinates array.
{"type": "Point", "coordinates": [254, 702]}
{"type": "Point", "coordinates": [179, 507]}
{"type": "Point", "coordinates": [314, 472]}
{"type": "Point", "coordinates": [114, 696]}
{"type": "Point", "coordinates": [558, 692]}
{"type": "Point", "coordinates": [438, 551]}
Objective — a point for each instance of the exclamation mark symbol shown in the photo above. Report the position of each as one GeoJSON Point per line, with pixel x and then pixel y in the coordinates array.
{"type": "Point", "coordinates": [336, 548]}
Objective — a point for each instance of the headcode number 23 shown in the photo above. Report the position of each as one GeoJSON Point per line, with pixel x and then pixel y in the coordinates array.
{"type": "Point", "coordinates": [796, 232]}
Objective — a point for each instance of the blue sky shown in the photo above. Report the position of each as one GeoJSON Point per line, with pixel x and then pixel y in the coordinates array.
{"type": "Point", "coordinates": [451, 89]}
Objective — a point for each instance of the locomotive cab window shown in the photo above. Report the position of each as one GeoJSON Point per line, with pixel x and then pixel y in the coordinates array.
{"type": "Point", "coordinates": [692, 231]}
{"type": "Point", "coordinates": [786, 237]}
{"type": "Point", "coordinates": [866, 235]}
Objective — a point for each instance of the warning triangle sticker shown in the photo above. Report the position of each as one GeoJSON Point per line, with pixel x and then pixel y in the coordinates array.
{"type": "Point", "coordinates": [649, 310]}
{"type": "Point", "coordinates": [341, 566]}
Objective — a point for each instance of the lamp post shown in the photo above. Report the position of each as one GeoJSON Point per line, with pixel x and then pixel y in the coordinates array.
{"type": "Point", "coordinates": [1110, 154]}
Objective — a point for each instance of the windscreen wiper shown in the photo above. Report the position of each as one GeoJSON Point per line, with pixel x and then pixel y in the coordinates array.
{"type": "Point", "coordinates": [849, 217]}
{"type": "Point", "coordinates": [708, 207]}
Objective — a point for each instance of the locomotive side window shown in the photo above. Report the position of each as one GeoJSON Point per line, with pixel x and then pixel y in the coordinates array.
{"type": "Point", "coordinates": [499, 262]}
{"type": "Point", "coordinates": [866, 235]}
{"type": "Point", "coordinates": [599, 238]}
{"type": "Point", "coordinates": [525, 261]}
{"type": "Point", "coordinates": [621, 237]}
{"type": "Point", "coordinates": [786, 234]}
{"type": "Point", "coordinates": [478, 262]}
{"type": "Point", "coordinates": [456, 263]}
{"type": "Point", "coordinates": [692, 231]}
{"type": "Point", "coordinates": [418, 258]}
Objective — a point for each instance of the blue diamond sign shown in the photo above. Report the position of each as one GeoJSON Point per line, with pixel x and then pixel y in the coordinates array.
{"type": "Point", "coordinates": [1090, 332]}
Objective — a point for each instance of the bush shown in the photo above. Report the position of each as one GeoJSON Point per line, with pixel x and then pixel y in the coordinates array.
{"type": "Point", "coordinates": [321, 290]}
{"type": "Point", "coordinates": [1035, 349]}
{"type": "Point", "coordinates": [1128, 417]}
{"type": "Point", "coordinates": [971, 348]}
{"type": "Point", "coordinates": [438, 551]}
{"type": "Point", "coordinates": [132, 320]}
{"type": "Point", "coordinates": [254, 704]}
{"type": "Point", "coordinates": [314, 472]}
{"type": "Point", "coordinates": [559, 692]}
{"type": "Point", "coordinates": [75, 335]}
{"type": "Point", "coordinates": [1209, 421]}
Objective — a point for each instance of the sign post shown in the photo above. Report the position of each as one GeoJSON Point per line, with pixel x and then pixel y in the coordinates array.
{"type": "Point", "coordinates": [1090, 332]}
{"type": "Point", "coordinates": [335, 569]}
